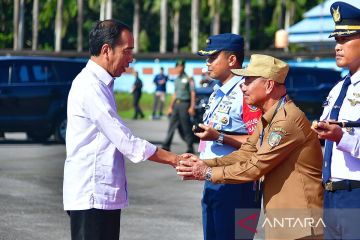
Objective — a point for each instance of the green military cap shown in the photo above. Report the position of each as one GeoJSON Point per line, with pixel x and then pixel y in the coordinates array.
{"type": "Point", "coordinates": [266, 67]}
{"type": "Point", "coordinates": [180, 62]}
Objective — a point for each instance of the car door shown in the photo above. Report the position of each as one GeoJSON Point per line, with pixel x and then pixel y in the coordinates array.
{"type": "Point", "coordinates": [5, 106]}
{"type": "Point", "coordinates": [28, 95]}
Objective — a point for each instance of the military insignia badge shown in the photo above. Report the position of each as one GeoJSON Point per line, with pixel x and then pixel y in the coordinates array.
{"type": "Point", "coordinates": [357, 95]}
{"type": "Point", "coordinates": [274, 138]}
{"type": "Point", "coordinates": [353, 102]}
{"type": "Point", "coordinates": [217, 127]}
{"type": "Point", "coordinates": [224, 120]}
{"type": "Point", "coordinates": [207, 41]}
{"type": "Point", "coordinates": [336, 14]}
{"type": "Point", "coordinates": [350, 130]}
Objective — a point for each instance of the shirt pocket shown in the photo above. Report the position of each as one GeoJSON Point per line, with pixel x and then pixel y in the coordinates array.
{"type": "Point", "coordinates": [350, 113]}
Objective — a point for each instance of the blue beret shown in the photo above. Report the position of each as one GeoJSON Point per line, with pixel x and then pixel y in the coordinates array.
{"type": "Point", "coordinates": [223, 42]}
{"type": "Point", "coordinates": [346, 18]}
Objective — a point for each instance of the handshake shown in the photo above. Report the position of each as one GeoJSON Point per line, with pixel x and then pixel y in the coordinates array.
{"type": "Point", "coordinates": [190, 167]}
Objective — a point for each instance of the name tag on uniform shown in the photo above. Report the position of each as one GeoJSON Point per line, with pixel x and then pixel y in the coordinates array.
{"type": "Point", "coordinates": [184, 80]}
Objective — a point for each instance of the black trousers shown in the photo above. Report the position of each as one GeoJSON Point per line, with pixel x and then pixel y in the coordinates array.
{"type": "Point", "coordinates": [180, 118]}
{"type": "Point", "coordinates": [95, 224]}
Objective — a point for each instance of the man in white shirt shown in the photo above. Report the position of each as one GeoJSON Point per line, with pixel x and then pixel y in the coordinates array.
{"type": "Point", "coordinates": [341, 167]}
{"type": "Point", "coordinates": [97, 140]}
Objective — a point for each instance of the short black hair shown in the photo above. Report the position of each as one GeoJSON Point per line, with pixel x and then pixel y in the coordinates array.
{"type": "Point", "coordinates": [107, 31]}
{"type": "Point", "coordinates": [239, 55]}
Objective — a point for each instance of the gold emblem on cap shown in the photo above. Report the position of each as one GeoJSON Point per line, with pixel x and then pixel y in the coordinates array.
{"type": "Point", "coordinates": [207, 41]}
{"type": "Point", "coordinates": [336, 14]}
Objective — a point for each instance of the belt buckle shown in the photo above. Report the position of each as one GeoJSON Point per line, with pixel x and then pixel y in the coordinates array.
{"type": "Point", "coordinates": [329, 186]}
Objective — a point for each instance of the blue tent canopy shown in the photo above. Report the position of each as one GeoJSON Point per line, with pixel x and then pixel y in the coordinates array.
{"type": "Point", "coordinates": [317, 25]}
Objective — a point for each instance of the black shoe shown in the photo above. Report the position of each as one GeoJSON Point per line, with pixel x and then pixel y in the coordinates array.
{"type": "Point", "coordinates": [190, 151]}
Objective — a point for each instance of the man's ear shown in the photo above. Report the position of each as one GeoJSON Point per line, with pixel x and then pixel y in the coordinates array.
{"type": "Point", "coordinates": [232, 60]}
{"type": "Point", "coordinates": [269, 86]}
{"type": "Point", "coordinates": [105, 49]}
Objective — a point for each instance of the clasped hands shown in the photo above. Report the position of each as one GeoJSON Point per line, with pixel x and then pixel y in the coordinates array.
{"type": "Point", "coordinates": [191, 167]}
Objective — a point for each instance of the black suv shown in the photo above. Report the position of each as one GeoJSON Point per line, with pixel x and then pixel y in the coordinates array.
{"type": "Point", "coordinates": [33, 95]}
{"type": "Point", "coordinates": [306, 86]}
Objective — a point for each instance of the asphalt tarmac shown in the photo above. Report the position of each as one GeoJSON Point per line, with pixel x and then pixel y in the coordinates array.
{"type": "Point", "coordinates": [161, 205]}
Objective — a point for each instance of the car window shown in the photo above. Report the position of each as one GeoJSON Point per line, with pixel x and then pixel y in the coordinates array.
{"type": "Point", "coordinates": [42, 73]}
{"type": "Point", "coordinates": [5, 70]}
{"type": "Point", "coordinates": [67, 71]}
{"type": "Point", "coordinates": [21, 74]}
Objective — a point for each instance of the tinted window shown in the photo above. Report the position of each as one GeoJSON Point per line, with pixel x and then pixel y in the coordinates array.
{"type": "Point", "coordinates": [21, 74]}
{"type": "Point", "coordinates": [68, 70]}
{"type": "Point", "coordinates": [42, 73]}
{"type": "Point", "coordinates": [34, 72]}
{"type": "Point", "coordinates": [5, 71]}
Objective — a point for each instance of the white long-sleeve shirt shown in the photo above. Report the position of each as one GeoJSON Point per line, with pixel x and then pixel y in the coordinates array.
{"type": "Point", "coordinates": [345, 159]}
{"type": "Point", "coordinates": [97, 141]}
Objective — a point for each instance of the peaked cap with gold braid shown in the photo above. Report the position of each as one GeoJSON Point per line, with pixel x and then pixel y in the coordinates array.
{"type": "Point", "coordinates": [346, 18]}
{"type": "Point", "coordinates": [223, 42]}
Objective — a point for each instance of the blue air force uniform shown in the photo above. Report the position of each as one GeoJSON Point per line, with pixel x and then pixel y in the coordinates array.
{"type": "Point", "coordinates": [341, 167]}
{"type": "Point", "coordinates": [224, 112]}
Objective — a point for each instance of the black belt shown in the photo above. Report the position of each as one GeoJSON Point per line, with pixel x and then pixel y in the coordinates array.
{"type": "Point", "coordinates": [182, 101]}
{"type": "Point", "coordinates": [341, 185]}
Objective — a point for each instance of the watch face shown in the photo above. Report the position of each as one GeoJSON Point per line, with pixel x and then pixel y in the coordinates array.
{"type": "Point", "coordinates": [220, 140]}
{"type": "Point", "coordinates": [208, 174]}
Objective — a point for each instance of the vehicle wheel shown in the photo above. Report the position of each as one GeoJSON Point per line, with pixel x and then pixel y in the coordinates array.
{"type": "Point", "coordinates": [60, 130]}
{"type": "Point", "coordinates": [38, 136]}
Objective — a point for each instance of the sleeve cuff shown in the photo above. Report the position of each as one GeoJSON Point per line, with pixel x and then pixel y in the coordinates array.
{"type": "Point", "coordinates": [211, 162]}
{"type": "Point", "coordinates": [150, 149]}
{"type": "Point", "coordinates": [217, 174]}
{"type": "Point", "coordinates": [346, 143]}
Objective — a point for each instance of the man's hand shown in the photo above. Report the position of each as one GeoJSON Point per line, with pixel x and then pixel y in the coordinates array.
{"type": "Point", "coordinates": [191, 111]}
{"type": "Point", "coordinates": [170, 110]}
{"type": "Point", "coordinates": [192, 169]}
{"type": "Point", "coordinates": [209, 134]}
{"type": "Point", "coordinates": [331, 132]}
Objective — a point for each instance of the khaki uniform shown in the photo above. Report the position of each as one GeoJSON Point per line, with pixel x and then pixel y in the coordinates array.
{"type": "Point", "coordinates": [290, 159]}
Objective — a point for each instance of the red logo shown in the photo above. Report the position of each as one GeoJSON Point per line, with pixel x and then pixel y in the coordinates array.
{"type": "Point", "coordinates": [253, 219]}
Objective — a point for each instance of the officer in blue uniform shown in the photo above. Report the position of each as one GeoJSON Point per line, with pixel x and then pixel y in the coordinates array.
{"type": "Point", "coordinates": [224, 114]}
{"type": "Point", "coordinates": [341, 166]}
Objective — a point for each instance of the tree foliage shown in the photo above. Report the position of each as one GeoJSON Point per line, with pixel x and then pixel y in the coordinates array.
{"type": "Point", "coordinates": [267, 17]}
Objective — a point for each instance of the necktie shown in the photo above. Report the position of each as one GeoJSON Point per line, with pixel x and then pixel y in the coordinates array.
{"type": "Point", "coordinates": [334, 114]}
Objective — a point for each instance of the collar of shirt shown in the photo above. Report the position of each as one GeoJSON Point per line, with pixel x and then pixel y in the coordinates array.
{"type": "Point", "coordinates": [355, 78]}
{"type": "Point", "coordinates": [100, 73]}
{"type": "Point", "coordinates": [268, 116]}
{"type": "Point", "coordinates": [225, 88]}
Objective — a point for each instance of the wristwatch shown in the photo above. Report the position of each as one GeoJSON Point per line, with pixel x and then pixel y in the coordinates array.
{"type": "Point", "coordinates": [220, 139]}
{"type": "Point", "coordinates": [208, 174]}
